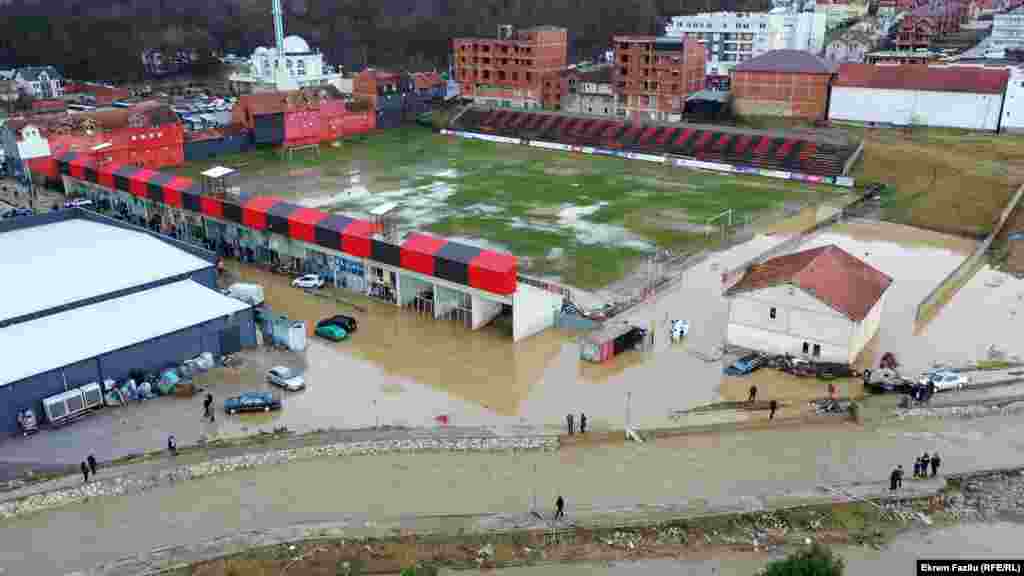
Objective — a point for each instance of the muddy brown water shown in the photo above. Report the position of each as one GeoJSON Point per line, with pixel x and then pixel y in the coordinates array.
{"type": "Point", "coordinates": [403, 368]}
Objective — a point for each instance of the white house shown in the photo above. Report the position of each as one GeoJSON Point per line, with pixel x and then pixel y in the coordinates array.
{"type": "Point", "coordinates": [303, 67]}
{"type": "Point", "coordinates": [822, 303]}
{"type": "Point", "coordinates": [42, 82]}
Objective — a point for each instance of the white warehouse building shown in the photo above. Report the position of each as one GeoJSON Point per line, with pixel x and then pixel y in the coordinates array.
{"type": "Point", "coordinates": [822, 303]}
{"type": "Point", "coordinates": [903, 95]}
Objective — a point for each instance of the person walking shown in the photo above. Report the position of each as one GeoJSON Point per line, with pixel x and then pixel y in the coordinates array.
{"type": "Point", "coordinates": [753, 394]}
{"type": "Point", "coordinates": [85, 471]}
{"type": "Point", "coordinates": [583, 423]}
{"type": "Point", "coordinates": [559, 507]}
{"type": "Point", "coordinates": [569, 423]}
{"type": "Point", "coordinates": [772, 407]}
{"type": "Point", "coordinates": [92, 464]}
{"type": "Point", "coordinates": [935, 462]}
{"type": "Point", "coordinates": [899, 476]}
{"type": "Point", "coordinates": [894, 478]}
{"type": "Point", "coordinates": [172, 445]}
{"type": "Point", "coordinates": [925, 461]}
{"type": "Point", "coordinates": [207, 407]}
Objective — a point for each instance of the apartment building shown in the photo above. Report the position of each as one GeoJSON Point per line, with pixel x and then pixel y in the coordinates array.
{"type": "Point", "coordinates": [589, 91]}
{"type": "Point", "coordinates": [1008, 30]}
{"type": "Point", "coordinates": [518, 69]}
{"type": "Point", "coordinates": [653, 75]}
{"type": "Point", "coordinates": [733, 37]}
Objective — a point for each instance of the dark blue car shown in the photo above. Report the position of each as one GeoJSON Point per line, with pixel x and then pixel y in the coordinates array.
{"type": "Point", "coordinates": [252, 402]}
{"type": "Point", "coordinates": [746, 364]}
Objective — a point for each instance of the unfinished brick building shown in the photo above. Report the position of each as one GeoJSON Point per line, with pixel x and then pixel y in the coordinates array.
{"type": "Point", "coordinates": [653, 75]}
{"type": "Point", "coordinates": [518, 69]}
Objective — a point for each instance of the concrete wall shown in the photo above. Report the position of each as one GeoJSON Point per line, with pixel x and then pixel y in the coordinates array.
{"type": "Point", "coordinates": [866, 329]}
{"type": "Point", "coordinates": [903, 107]}
{"type": "Point", "coordinates": [798, 318]}
{"type": "Point", "coordinates": [533, 310]}
{"type": "Point", "coordinates": [484, 311]}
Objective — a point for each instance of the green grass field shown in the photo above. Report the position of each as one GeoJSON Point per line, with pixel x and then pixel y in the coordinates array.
{"type": "Point", "coordinates": [585, 219]}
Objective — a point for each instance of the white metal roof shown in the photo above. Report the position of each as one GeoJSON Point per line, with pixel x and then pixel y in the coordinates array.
{"type": "Point", "coordinates": [52, 265]}
{"type": "Point", "coordinates": [58, 340]}
{"type": "Point", "coordinates": [217, 172]}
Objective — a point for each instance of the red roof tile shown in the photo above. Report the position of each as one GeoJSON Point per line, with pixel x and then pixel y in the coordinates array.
{"type": "Point", "coordinates": [921, 77]}
{"type": "Point", "coordinates": [830, 274]}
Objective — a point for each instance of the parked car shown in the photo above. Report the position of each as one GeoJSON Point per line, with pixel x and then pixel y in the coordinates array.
{"type": "Point", "coordinates": [16, 213]}
{"type": "Point", "coordinates": [833, 370]}
{"type": "Point", "coordinates": [346, 323]}
{"type": "Point", "coordinates": [747, 364]}
{"type": "Point", "coordinates": [252, 402]}
{"type": "Point", "coordinates": [309, 281]}
{"type": "Point", "coordinates": [886, 380]}
{"type": "Point", "coordinates": [944, 380]}
{"type": "Point", "coordinates": [78, 203]}
{"type": "Point", "coordinates": [285, 378]}
{"type": "Point", "coordinates": [331, 332]}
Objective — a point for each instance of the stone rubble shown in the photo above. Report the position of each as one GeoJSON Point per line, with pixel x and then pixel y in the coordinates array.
{"type": "Point", "coordinates": [974, 411]}
{"type": "Point", "coordinates": [988, 497]}
{"type": "Point", "coordinates": [128, 484]}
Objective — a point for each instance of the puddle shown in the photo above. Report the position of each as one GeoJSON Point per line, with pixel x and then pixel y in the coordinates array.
{"type": "Point", "coordinates": [569, 215]}
{"type": "Point", "coordinates": [350, 194]}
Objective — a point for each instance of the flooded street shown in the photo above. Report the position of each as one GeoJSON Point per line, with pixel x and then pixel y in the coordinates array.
{"type": "Point", "coordinates": [402, 368]}
{"type": "Point", "coordinates": [975, 541]}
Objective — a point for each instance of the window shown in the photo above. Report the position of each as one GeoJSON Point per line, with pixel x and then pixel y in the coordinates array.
{"type": "Point", "coordinates": [300, 67]}
{"type": "Point", "coordinates": [807, 348]}
{"type": "Point", "coordinates": [817, 350]}
{"type": "Point", "coordinates": [771, 313]}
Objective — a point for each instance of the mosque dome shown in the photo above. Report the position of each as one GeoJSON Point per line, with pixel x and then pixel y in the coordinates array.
{"type": "Point", "coordinates": [295, 45]}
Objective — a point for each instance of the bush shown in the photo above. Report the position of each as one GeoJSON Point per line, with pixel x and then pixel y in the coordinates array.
{"type": "Point", "coordinates": [815, 560]}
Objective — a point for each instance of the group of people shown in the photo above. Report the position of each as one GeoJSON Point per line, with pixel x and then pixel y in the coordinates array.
{"type": "Point", "coordinates": [570, 421]}
{"type": "Point", "coordinates": [921, 466]}
{"type": "Point", "coordinates": [89, 467]}
{"type": "Point", "coordinates": [773, 406]}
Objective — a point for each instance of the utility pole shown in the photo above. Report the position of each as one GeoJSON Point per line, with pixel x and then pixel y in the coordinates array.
{"type": "Point", "coordinates": [629, 398]}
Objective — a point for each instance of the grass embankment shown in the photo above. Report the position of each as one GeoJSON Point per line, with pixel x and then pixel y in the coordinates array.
{"type": "Point", "coordinates": [953, 181]}
{"type": "Point", "coordinates": [855, 523]}
{"type": "Point", "coordinates": [512, 196]}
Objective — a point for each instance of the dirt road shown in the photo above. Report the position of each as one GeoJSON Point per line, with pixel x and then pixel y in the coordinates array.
{"type": "Point", "coordinates": [712, 471]}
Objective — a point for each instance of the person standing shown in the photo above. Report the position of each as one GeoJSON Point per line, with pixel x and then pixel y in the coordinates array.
{"type": "Point", "coordinates": [935, 462]}
{"type": "Point", "coordinates": [772, 407]}
{"type": "Point", "coordinates": [92, 464]}
{"type": "Point", "coordinates": [583, 423]}
{"type": "Point", "coordinates": [925, 461]}
{"type": "Point", "coordinates": [894, 478]}
{"type": "Point", "coordinates": [559, 507]}
{"type": "Point", "coordinates": [172, 445]}
{"type": "Point", "coordinates": [207, 407]}
{"type": "Point", "coordinates": [753, 394]}
{"type": "Point", "coordinates": [85, 471]}
{"type": "Point", "coordinates": [569, 423]}
{"type": "Point", "coordinates": [899, 476]}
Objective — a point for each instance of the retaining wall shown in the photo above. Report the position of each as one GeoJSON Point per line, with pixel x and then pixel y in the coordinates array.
{"type": "Point", "coordinates": [965, 271]}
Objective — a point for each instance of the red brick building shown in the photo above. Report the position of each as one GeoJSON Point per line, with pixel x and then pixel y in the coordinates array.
{"type": "Point", "coordinates": [518, 69]}
{"type": "Point", "coordinates": [653, 75]}
{"type": "Point", "coordinates": [790, 83]}
{"type": "Point", "coordinates": [373, 86]}
{"type": "Point", "coordinates": [930, 21]}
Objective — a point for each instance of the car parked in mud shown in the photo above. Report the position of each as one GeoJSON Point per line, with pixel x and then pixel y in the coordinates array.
{"type": "Point", "coordinates": [309, 282]}
{"type": "Point", "coordinates": [746, 364]}
{"type": "Point", "coordinates": [886, 380]}
{"type": "Point", "coordinates": [285, 378]}
{"type": "Point", "coordinates": [346, 323]}
{"type": "Point", "coordinates": [252, 402]}
{"type": "Point", "coordinates": [944, 379]}
{"type": "Point", "coordinates": [331, 332]}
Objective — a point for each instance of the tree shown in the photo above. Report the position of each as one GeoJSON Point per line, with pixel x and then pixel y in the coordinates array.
{"type": "Point", "coordinates": [815, 560]}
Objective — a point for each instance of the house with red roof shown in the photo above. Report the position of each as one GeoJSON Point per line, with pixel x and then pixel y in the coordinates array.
{"type": "Point", "coordinates": [790, 83]}
{"type": "Point", "coordinates": [821, 303]}
{"type": "Point", "coordinates": [967, 97]}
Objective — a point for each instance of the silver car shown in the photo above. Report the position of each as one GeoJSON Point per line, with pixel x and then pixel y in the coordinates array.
{"type": "Point", "coordinates": [285, 378]}
{"type": "Point", "coordinates": [944, 380]}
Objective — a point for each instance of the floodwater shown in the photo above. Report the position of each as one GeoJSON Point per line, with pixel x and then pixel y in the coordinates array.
{"type": "Point", "coordinates": [404, 368]}
{"type": "Point", "coordinates": [1000, 540]}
